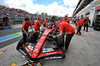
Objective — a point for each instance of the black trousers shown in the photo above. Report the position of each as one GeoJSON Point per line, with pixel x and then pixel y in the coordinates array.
{"type": "Point", "coordinates": [78, 30]}
{"type": "Point", "coordinates": [44, 25]}
{"type": "Point", "coordinates": [68, 39]}
{"type": "Point", "coordinates": [86, 26]}
{"type": "Point", "coordinates": [25, 36]}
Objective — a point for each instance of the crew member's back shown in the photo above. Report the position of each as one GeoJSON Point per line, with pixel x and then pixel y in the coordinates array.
{"type": "Point", "coordinates": [66, 27]}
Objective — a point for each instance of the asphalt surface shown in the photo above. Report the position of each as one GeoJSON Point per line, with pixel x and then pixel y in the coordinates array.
{"type": "Point", "coordinates": [15, 29]}
{"type": "Point", "coordinates": [84, 50]}
{"type": "Point", "coordinates": [9, 31]}
{"type": "Point", "coordinates": [8, 42]}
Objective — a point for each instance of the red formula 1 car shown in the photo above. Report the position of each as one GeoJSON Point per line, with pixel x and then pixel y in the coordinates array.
{"type": "Point", "coordinates": [36, 54]}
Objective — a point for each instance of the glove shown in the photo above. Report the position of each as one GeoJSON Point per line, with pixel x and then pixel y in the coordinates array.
{"type": "Point", "coordinates": [32, 31]}
{"type": "Point", "coordinates": [54, 37]}
{"type": "Point", "coordinates": [27, 34]}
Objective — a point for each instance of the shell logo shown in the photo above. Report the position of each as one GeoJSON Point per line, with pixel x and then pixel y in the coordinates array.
{"type": "Point", "coordinates": [42, 37]}
{"type": "Point", "coordinates": [47, 53]}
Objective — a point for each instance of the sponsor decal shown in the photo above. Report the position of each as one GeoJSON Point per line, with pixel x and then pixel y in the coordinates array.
{"type": "Point", "coordinates": [27, 49]}
{"type": "Point", "coordinates": [53, 57]}
{"type": "Point", "coordinates": [47, 50]}
{"type": "Point", "coordinates": [22, 52]}
{"type": "Point", "coordinates": [45, 33]}
{"type": "Point", "coordinates": [52, 53]}
{"type": "Point", "coordinates": [42, 37]}
{"type": "Point", "coordinates": [36, 50]}
{"type": "Point", "coordinates": [38, 46]}
{"type": "Point", "coordinates": [40, 41]}
{"type": "Point", "coordinates": [47, 54]}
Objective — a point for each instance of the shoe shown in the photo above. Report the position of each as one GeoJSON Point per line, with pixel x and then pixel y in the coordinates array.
{"type": "Point", "coordinates": [76, 34]}
{"type": "Point", "coordinates": [79, 34]}
{"type": "Point", "coordinates": [66, 50]}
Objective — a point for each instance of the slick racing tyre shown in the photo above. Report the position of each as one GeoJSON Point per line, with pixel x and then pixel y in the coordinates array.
{"type": "Point", "coordinates": [60, 41]}
{"type": "Point", "coordinates": [32, 37]}
{"type": "Point", "coordinates": [20, 44]}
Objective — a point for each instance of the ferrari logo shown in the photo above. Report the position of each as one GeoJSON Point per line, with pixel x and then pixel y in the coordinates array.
{"type": "Point", "coordinates": [34, 53]}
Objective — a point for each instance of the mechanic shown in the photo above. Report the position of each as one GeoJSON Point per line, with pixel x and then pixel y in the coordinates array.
{"type": "Point", "coordinates": [65, 19]}
{"type": "Point", "coordinates": [45, 22]}
{"type": "Point", "coordinates": [42, 20]}
{"type": "Point", "coordinates": [53, 18]}
{"type": "Point", "coordinates": [65, 27]}
{"type": "Point", "coordinates": [75, 20]}
{"type": "Point", "coordinates": [59, 20]}
{"type": "Point", "coordinates": [25, 26]}
{"type": "Point", "coordinates": [87, 23]}
{"type": "Point", "coordinates": [53, 22]}
{"type": "Point", "coordinates": [79, 25]}
{"type": "Point", "coordinates": [37, 25]}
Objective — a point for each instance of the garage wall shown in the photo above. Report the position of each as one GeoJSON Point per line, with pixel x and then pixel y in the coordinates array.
{"type": "Point", "coordinates": [92, 14]}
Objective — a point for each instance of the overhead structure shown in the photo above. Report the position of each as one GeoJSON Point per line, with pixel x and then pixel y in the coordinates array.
{"type": "Point", "coordinates": [81, 4]}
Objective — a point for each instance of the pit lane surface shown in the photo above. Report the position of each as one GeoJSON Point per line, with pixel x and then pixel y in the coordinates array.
{"type": "Point", "coordinates": [10, 36]}
{"type": "Point", "coordinates": [14, 29]}
{"type": "Point", "coordinates": [4, 33]}
{"type": "Point", "coordinates": [9, 31]}
{"type": "Point", "coordinates": [84, 50]}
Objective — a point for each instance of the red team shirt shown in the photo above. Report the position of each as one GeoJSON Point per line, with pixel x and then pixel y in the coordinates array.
{"type": "Point", "coordinates": [81, 21]}
{"type": "Point", "coordinates": [59, 21]}
{"type": "Point", "coordinates": [37, 24]}
{"type": "Point", "coordinates": [44, 22]}
{"type": "Point", "coordinates": [63, 26]}
{"type": "Point", "coordinates": [26, 25]}
{"type": "Point", "coordinates": [63, 20]}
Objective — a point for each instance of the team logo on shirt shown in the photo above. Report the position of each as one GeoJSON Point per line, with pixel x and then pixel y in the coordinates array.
{"type": "Point", "coordinates": [26, 25]}
{"type": "Point", "coordinates": [35, 22]}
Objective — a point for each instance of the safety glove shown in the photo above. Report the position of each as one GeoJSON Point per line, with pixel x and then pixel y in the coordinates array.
{"type": "Point", "coordinates": [27, 34]}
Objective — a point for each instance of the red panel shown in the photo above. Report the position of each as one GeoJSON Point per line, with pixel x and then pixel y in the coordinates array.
{"type": "Point", "coordinates": [36, 51]}
{"type": "Point", "coordinates": [28, 50]}
{"type": "Point", "coordinates": [50, 53]}
{"type": "Point", "coordinates": [97, 8]}
{"type": "Point", "coordinates": [40, 43]}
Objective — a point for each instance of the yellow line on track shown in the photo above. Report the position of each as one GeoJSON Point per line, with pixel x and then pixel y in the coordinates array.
{"type": "Point", "coordinates": [13, 64]}
{"type": "Point", "coordinates": [1, 52]}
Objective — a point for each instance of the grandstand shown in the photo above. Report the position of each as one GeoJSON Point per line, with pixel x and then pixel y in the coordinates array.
{"type": "Point", "coordinates": [16, 16]}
